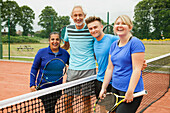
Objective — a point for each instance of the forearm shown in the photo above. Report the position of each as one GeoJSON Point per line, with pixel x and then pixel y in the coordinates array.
{"type": "Point", "coordinates": [32, 79]}
{"type": "Point", "coordinates": [137, 63]}
{"type": "Point", "coordinates": [107, 78]}
{"type": "Point", "coordinates": [134, 80]}
{"type": "Point", "coordinates": [32, 82]}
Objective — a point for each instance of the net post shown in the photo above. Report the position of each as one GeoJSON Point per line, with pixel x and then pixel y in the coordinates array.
{"type": "Point", "coordinates": [169, 77]}
{"type": "Point", "coordinates": [1, 47]}
{"type": "Point", "coordinates": [8, 38]}
{"type": "Point", "coordinates": [107, 21]}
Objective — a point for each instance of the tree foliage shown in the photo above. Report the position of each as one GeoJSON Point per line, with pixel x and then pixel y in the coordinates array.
{"type": "Point", "coordinates": [62, 21]}
{"type": "Point", "coordinates": [11, 12]}
{"type": "Point", "coordinates": [151, 19]}
{"type": "Point", "coordinates": [26, 21]}
{"type": "Point", "coordinates": [50, 21]}
{"type": "Point", "coordinates": [161, 17]}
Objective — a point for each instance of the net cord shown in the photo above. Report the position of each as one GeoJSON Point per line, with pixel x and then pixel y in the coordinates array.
{"type": "Point", "coordinates": [157, 58]}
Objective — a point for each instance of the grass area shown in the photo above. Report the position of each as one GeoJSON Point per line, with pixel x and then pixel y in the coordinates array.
{"type": "Point", "coordinates": [14, 52]}
{"type": "Point", "coordinates": [156, 50]}
{"type": "Point", "coordinates": [19, 59]}
{"type": "Point", "coordinates": [152, 50]}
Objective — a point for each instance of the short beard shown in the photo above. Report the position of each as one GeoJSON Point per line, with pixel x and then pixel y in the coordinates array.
{"type": "Point", "coordinates": [79, 24]}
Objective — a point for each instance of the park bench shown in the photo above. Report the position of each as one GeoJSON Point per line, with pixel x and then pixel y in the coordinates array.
{"type": "Point", "coordinates": [25, 47]}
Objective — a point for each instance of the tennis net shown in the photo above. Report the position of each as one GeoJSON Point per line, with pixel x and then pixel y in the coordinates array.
{"type": "Point", "coordinates": [156, 80]}
{"type": "Point", "coordinates": [46, 100]}
{"type": "Point", "coordinates": [68, 97]}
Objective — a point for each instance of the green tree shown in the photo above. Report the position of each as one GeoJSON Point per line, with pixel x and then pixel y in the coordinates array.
{"type": "Point", "coordinates": [161, 20]}
{"type": "Point", "coordinates": [1, 4]}
{"type": "Point", "coordinates": [151, 19]}
{"type": "Point", "coordinates": [11, 11]}
{"type": "Point", "coordinates": [45, 17]}
{"type": "Point", "coordinates": [142, 19]}
{"type": "Point", "coordinates": [62, 21]}
{"type": "Point", "coordinates": [50, 21]}
{"type": "Point", "coordinates": [26, 21]}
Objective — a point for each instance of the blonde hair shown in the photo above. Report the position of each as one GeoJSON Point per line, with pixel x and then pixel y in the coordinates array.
{"type": "Point", "coordinates": [77, 6]}
{"type": "Point", "coordinates": [126, 19]}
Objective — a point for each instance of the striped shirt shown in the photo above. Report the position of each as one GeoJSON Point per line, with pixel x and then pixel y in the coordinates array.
{"type": "Point", "coordinates": [82, 51]}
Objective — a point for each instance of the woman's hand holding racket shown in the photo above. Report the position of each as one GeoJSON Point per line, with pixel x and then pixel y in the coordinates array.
{"type": "Point", "coordinates": [112, 100]}
{"type": "Point", "coordinates": [102, 93]}
{"type": "Point", "coordinates": [128, 97]}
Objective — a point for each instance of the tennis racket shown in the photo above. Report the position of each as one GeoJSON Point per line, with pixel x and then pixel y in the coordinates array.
{"type": "Point", "coordinates": [62, 32]}
{"type": "Point", "coordinates": [112, 100]}
{"type": "Point", "coordinates": [108, 29]}
{"type": "Point", "coordinates": [53, 71]}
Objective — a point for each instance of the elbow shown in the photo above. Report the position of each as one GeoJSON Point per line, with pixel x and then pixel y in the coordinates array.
{"type": "Point", "coordinates": [137, 71]}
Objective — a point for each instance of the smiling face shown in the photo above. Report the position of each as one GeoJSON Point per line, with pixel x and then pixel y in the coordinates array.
{"type": "Point", "coordinates": [78, 16]}
{"type": "Point", "coordinates": [95, 28]}
{"type": "Point", "coordinates": [54, 42]}
{"type": "Point", "coordinates": [122, 26]}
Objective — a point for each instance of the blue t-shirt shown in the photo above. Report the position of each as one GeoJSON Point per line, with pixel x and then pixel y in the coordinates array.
{"type": "Point", "coordinates": [122, 62]}
{"type": "Point", "coordinates": [101, 50]}
{"type": "Point", "coordinates": [42, 57]}
{"type": "Point", "coordinates": [81, 48]}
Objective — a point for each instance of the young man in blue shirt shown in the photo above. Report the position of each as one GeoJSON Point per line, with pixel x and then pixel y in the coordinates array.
{"type": "Point", "coordinates": [101, 49]}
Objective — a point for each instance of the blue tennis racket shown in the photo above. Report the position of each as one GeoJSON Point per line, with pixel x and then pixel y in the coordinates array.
{"type": "Point", "coordinates": [53, 71]}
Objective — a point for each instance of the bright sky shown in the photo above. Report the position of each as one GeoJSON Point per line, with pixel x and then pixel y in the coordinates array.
{"type": "Point", "coordinates": [91, 7]}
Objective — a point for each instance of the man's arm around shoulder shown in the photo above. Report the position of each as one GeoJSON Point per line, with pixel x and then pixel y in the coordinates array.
{"type": "Point", "coordinates": [66, 45]}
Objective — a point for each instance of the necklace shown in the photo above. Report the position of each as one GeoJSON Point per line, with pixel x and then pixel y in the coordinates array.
{"type": "Point", "coordinates": [128, 40]}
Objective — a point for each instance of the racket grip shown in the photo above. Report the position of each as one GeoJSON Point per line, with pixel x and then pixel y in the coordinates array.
{"type": "Point", "coordinates": [144, 92]}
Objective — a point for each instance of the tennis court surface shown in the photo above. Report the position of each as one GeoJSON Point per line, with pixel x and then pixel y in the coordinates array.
{"type": "Point", "coordinates": [14, 82]}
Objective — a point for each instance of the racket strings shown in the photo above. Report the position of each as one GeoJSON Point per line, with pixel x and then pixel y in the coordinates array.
{"type": "Point", "coordinates": [54, 71]}
{"type": "Point", "coordinates": [108, 101]}
{"type": "Point", "coordinates": [117, 103]}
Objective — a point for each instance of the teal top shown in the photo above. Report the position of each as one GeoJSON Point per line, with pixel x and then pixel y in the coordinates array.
{"type": "Point", "coordinates": [81, 48]}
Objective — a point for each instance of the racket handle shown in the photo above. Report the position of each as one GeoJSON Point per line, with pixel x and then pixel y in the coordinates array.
{"type": "Point", "coordinates": [144, 92]}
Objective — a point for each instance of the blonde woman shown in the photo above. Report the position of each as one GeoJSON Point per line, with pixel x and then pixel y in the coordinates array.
{"type": "Point", "coordinates": [126, 59]}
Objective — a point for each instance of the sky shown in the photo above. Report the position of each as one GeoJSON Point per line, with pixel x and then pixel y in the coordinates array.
{"type": "Point", "coordinates": [91, 7]}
